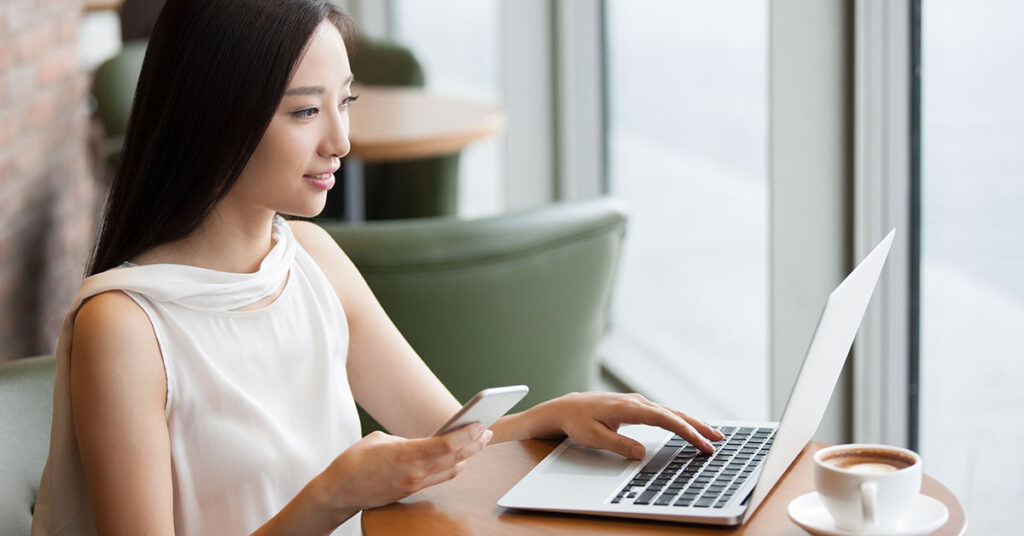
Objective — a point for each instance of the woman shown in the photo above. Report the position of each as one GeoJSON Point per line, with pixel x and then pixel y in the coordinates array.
{"type": "Point", "coordinates": [218, 349]}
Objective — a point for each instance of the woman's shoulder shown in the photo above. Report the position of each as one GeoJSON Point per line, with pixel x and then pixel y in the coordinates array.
{"type": "Point", "coordinates": [111, 320]}
{"type": "Point", "coordinates": [317, 242]}
{"type": "Point", "coordinates": [326, 253]}
{"type": "Point", "coordinates": [112, 307]}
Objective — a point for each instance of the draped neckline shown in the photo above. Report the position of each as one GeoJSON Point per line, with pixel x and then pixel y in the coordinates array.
{"type": "Point", "coordinates": [205, 289]}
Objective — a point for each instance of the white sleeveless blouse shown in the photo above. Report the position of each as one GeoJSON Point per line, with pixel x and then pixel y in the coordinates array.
{"type": "Point", "coordinates": [258, 401]}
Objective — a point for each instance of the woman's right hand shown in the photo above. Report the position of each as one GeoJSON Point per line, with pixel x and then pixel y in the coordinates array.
{"type": "Point", "coordinates": [380, 468]}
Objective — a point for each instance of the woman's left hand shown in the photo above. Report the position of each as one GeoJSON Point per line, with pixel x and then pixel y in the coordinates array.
{"type": "Point", "coordinates": [593, 420]}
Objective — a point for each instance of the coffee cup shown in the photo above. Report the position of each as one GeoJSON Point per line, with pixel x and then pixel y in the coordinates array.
{"type": "Point", "coordinates": [867, 487]}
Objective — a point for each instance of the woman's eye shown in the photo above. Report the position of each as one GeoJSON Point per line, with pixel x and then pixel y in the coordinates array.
{"type": "Point", "coordinates": [348, 100]}
{"type": "Point", "coordinates": [308, 113]}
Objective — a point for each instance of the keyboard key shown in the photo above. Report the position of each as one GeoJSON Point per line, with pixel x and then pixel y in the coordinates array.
{"type": "Point", "coordinates": [683, 502]}
{"type": "Point", "coordinates": [659, 460]}
{"type": "Point", "coordinates": [704, 502]}
{"type": "Point", "coordinates": [646, 496]}
{"type": "Point", "coordinates": [665, 500]}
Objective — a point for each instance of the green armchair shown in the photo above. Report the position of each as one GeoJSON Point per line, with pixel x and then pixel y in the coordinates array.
{"type": "Point", "coordinates": [26, 407]}
{"type": "Point", "coordinates": [113, 88]}
{"type": "Point", "coordinates": [518, 298]}
{"type": "Point", "coordinates": [418, 188]}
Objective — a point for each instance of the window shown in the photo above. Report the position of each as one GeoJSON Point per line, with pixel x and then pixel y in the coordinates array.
{"type": "Point", "coordinates": [458, 44]}
{"type": "Point", "coordinates": [687, 141]}
{"type": "Point", "coordinates": [972, 254]}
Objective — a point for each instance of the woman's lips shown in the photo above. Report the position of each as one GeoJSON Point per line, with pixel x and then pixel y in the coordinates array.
{"type": "Point", "coordinates": [323, 181]}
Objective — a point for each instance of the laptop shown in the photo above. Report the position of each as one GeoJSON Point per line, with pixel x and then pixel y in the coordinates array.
{"type": "Point", "coordinates": [676, 482]}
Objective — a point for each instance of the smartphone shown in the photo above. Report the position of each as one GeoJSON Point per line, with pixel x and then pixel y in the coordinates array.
{"type": "Point", "coordinates": [485, 407]}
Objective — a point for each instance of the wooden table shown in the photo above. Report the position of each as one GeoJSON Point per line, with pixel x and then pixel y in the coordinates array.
{"type": "Point", "coordinates": [102, 5]}
{"type": "Point", "coordinates": [395, 124]}
{"type": "Point", "coordinates": [403, 123]}
{"type": "Point", "coordinates": [467, 504]}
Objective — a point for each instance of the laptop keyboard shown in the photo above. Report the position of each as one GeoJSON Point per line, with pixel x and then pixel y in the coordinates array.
{"type": "Point", "coordinates": [681, 475]}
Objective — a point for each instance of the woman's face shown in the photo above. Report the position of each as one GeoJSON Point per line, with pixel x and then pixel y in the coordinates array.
{"type": "Point", "coordinates": [293, 166]}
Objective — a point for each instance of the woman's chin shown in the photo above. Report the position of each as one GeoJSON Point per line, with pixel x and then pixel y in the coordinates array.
{"type": "Point", "coordinates": [309, 211]}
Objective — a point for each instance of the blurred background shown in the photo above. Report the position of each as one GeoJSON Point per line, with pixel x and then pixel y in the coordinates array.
{"type": "Point", "coordinates": [761, 148]}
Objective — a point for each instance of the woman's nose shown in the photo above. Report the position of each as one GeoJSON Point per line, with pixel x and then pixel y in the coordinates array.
{"type": "Point", "coordinates": [335, 143]}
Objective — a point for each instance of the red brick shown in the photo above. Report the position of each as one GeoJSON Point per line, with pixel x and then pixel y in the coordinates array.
{"type": "Point", "coordinates": [67, 26]}
{"type": "Point", "coordinates": [21, 14]}
{"type": "Point", "coordinates": [12, 204]}
{"type": "Point", "coordinates": [59, 63]}
{"type": "Point", "coordinates": [6, 175]}
{"type": "Point", "coordinates": [44, 172]}
{"type": "Point", "coordinates": [35, 41]}
{"type": "Point", "coordinates": [27, 157]}
{"type": "Point", "coordinates": [21, 84]}
{"type": "Point", "coordinates": [40, 111]}
{"type": "Point", "coordinates": [6, 55]}
{"type": "Point", "coordinates": [9, 123]}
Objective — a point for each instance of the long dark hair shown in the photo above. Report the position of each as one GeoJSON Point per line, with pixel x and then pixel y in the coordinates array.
{"type": "Point", "coordinates": [213, 76]}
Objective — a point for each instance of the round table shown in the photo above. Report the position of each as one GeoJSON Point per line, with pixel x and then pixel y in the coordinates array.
{"type": "Point", "coordinates": [408, 126]}
{"type": "Point", "coordinates": [390, 123]}
{"type": "Point", "coordinates": [468, 504]}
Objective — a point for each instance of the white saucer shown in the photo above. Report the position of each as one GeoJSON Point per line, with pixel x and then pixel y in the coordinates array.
{"type": "Point", "coordinates": [809, 513]}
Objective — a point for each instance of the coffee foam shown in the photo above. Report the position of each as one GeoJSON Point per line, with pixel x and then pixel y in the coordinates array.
{"type": "Point", "coordinates": [871, 461]}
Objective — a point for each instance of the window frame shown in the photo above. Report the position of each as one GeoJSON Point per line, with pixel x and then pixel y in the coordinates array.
{"type": "Point", "coordinates": [886, 182]}
{"type": "Point", "coordinates": [811, 180]}
{"type": "Point", "coordinates": [814, 230]}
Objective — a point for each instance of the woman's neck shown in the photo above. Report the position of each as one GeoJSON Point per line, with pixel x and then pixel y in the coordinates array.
{"type": "Point", "coordinates": [226, 241]}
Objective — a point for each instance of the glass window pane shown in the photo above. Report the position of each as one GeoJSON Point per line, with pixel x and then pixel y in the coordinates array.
{"type": "Point", "coordinates": [972, 254]}
{"type": "Point", "coordinates": [458, 42]}
{"type": "Point", "coordinates": [687, 104]}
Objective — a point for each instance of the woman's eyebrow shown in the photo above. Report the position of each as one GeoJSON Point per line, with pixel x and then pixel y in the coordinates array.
{"type": "Point", "coordinates": [314, 90]}
{"type": "Point", "coordinates": [307, 90]}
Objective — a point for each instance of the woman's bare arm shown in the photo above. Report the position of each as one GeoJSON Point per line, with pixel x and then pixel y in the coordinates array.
{"type": "Point", "coordinates": [387, 377]}
{"type": "Point", "coordinates": [118, 391]}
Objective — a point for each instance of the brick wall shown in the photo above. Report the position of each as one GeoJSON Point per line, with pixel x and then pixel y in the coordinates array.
{"type": "Point", "coordinates": [48, 197]}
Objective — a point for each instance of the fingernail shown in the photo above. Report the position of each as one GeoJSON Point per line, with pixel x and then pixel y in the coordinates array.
{"type": "Point", "coordinates": [637, 452]}
{"type": "Point", "coordinates": [487, 436]}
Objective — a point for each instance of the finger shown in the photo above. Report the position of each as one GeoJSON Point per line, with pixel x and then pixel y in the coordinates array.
{"type": "Point", "coordinates": [441, 476]}
{"type": "Point", "coordinates": [599, 436]}
{"type": "Point", "coordinates": [471, 449]}
{"type": "Point", "coordinates": [657, 415]}
{"type": "Point", "coordinates": [462, 453]}
{"type": "Point", "coordinates": [448, 444]}
{"type": "Point", "coordinates": [701, 426]}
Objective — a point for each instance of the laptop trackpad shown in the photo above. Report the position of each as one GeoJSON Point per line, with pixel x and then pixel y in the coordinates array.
{"type": "Point", "coordinates": [580, 460]}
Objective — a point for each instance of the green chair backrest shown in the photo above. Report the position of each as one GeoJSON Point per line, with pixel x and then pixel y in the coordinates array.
{"type": "Point", "coordinates": [384, 63]}
{"type": "Point", "coordinates": [518, 298]}
{"type": "Point", "coordinates": [114, 85]}
{"type": "Point", "coordinates": [26, 407]}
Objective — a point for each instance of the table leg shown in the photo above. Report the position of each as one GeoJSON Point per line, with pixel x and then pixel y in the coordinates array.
{"type": "Point", "coordinates": [355, 209]}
